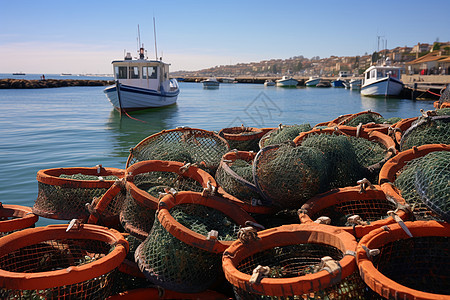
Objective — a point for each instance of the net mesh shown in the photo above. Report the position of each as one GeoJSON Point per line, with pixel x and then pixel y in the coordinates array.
{"type": "Point", "coordinates": [56, 255]}
{"type": "Point", "coordinates": [445, 97]}
{"type": "Point", "coordinates": [424, 183]}
{"type": "Point", "coordinates": [186, 145]}
{"type": "Point", "coordinates": [288, 175]}
{"type": "Point", "coordinates": [64, 203]}
{"type": "Point", "coordinates": [443, 111]}
{"type": "Point", "coordinates": [369, 210]}
{"type": "Point", "coordinates": [282, 134]}
{"type": "Point", "coordinates": [172, 263]}
{"type": "Point", "coordinates": [364, 118]}
{"type": "Point", "coordinates": [154, 182]}
{"type": "Point", "coordinates": [430, 130]}
{"type": "Point", "coordinates": [235, 184]}
{"type": "Point", "coordinates": [420, 263]}
{"type": "Point", "coordinates": [298, 260]}
{"type": "Point", "coordinates": [136, 218]}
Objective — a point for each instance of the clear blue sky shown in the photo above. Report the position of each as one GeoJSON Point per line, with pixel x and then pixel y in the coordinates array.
{"type": "Point", "coordinates": [79, 36]}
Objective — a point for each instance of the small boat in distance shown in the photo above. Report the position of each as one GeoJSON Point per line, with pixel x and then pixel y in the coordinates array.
{"type": "Point", "coordinates": [210, 83]}
{"type": "Point", "coordinates": [286, 81]}
{"type": "Point", "coordinates": [312, 81]}
{"type": "Point", "coordinates": [228, 80]}
{"type": "Point", "coordinates": [18, 73]}
{"type": "Point", "coordinates": [141, 84]}
{"type": "Point", "coordinates": [269, 82]}
{"type": "Point", "coordinates": [382, 81]}
{"type": "Point", "coordinates": [355, 84]}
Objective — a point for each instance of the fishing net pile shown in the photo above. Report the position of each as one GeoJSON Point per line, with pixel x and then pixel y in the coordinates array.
{"type": "Point", "coordinates": [427, 130]}
{"type": "Point", "coordinates": [424, 184]}
{"type": "Point", "coordinates": [282, 133]}
{"type": "Point", "coordinates": [348, 158]}
{"type": "Point", "coordinates": [287, 175]}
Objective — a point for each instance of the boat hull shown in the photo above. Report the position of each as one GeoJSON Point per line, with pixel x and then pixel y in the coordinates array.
{"type": "Point", "coordinates": [287, 83]}
{"type": "Point", "coordinates": [210, 85]}
{"type": "Point", "coordinates": [133, 98]}
{"type": "Point", "coordinates": [337, 83]}
{"type": "Point", "coordinates": [384, 87]}
{"type": "Point", "coordinates": [312, 82]}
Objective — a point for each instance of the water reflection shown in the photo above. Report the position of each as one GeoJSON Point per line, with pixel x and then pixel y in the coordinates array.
{"type": "Point", "coordinates": [127, 132]}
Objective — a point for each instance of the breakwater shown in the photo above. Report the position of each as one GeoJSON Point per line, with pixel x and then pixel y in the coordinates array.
{"type": "Point", "coordinates": [50, 83]}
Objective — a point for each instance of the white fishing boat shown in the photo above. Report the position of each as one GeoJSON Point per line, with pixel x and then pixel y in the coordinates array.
{"type": "Point", "coordinates": [286, 81]}
{"type": "Point", "coordinates": [313, 81]}
{"type": "Point", "coordinates": [269, 82]}
{"type": "Point", "coordinates": [382, 81]}
{"type": "Point", "coordinates": [211, 83]}
{"type": "Point", "coordinates": [141, 84]}
{"type": "Point", "coordinates": [355, 84]}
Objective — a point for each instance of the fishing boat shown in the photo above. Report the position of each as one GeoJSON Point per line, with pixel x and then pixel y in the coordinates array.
{"type": "Point", "coordinates": [211, 83]}
{"type": "Point", "coordinates": [383, 80]}
{"type": "Point", "coordinates": [355, 84]}
{"type": "Point", "coordinates": [286, 81]}
{"type": "Point", "coordinates": [18, 73]}
{"type": "Point", "coordinates": [338, 83]}
{"type": "Point", "coordinates": [141, 84]}
{"type": "Point", "coordinates": [312, 81]}
{"type": "Point", "coordinates": [269, 82]}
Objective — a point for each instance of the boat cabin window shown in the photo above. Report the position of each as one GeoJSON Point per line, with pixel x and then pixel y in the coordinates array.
{"type": "Point", "coordinates": [367, 75]}
{"type": "Point", "coordinates": [121, 72]}
{"type": "Point", "coordinates": [149, 72]}
{"type": "Point", "coordinates": [134, 72]}
{"type": "Point", "coordinates": [373, 73]}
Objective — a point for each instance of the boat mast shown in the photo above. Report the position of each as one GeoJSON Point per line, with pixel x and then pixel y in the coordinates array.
{"type": "Point", "coordinates": [154, 33]}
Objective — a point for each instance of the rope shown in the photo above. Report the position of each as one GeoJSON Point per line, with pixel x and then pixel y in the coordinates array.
{"type": "Point", "coordinates": [433, 93]}
{"type": "Point", "coordinates": [132, 117]}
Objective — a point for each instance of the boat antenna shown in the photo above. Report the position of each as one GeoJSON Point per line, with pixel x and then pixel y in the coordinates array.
{"type": "Point", "coordinates": [154, 33]}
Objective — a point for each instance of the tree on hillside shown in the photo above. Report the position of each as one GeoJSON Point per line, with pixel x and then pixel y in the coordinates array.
{"type": "Point", "coordinates": [436, 46]}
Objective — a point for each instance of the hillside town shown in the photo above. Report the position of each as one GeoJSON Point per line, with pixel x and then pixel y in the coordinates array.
{"type": "Point", "coordinates": [423, 59]}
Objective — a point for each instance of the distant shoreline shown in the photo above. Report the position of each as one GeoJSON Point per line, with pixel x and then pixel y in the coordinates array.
{"type": "Point", "coordinates": [10, 83]}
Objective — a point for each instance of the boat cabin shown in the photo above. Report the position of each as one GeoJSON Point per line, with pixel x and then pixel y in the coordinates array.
{"type": "Point", "coordinates": [143, 73]}
{"type": "Point", "coordinates": [379, 72]}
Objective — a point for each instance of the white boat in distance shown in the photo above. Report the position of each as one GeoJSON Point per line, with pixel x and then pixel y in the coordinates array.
{"type": "Point", "coordinates": [382, 81]}
{"type": "Point", "coordinates": [313, 81]}
{"type": "Point", "coordinates": [355, 84]}
{"type": "Point", "coordinates": [269, 82]}
{"type": "Point", "coordinates": [141, 84]}
{"type": "Point", "coordinates": [286, 81]}
{"type": "Point", "coordinates": [211, 83]}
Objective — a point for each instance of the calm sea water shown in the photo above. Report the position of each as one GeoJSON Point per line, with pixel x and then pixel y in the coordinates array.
{"type": "Point", "coordinates": [77, 126]}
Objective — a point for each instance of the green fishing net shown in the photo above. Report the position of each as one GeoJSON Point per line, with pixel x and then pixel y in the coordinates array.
{"type": "Point", "coordinates": [155, 182]}
{"type": "Point", "coordinates": [428, 130]}
{"type": "Point", "coordinates": [80, 176]}
{"type": "Point", "coordinates": [282, 134]}
{"type": "Point", "coordinates": [298, 260]}
{"type": "Point", "coordinates": [420, 263]}
{"type": "Point", "coordinates": [176, 265]}
{"type": "Point", "coordinates": [343, 167]}
{"type": "Point", "coordinates": [424, 183]}
{"type": "Point", "coordinates": [136, 218]}
{"type": "Point", "coordinates": [183, 145]}
{"type": "Point", "coordinates": [369, 117]}
{"type": "Point", "coordinates": [64, 203]}
{"type": "Point", "coordinates": [288, 175]}
{"type": "Point", "coordinates": [443, 111]}
{"type": "Point", "coordinates": [237, 180]}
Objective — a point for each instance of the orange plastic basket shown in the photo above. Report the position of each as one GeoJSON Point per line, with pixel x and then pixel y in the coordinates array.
{"type": "Point", "coordinates": [182, 252]}
{"type": "Point", "coordinates": [344, 205]}
{"type": "Point", "coordinates": [393, 167]}
{"type": "Point", "coordinates": [105, 210]}
{"type": "Point", "coordinates": [66, 198]}
{"type": "Point", "coordinates": [138, 212]}
{"type": "Point", "coordinates": [53, 263]}
{"type": "Point", "coordinates": [294, 255]}
{"type": "Point", "coordinates": [243, 138]}
{"type": "Point", "coordinates": [15, 217]}
{"type": "Point", "coordinates": [399, 128]}
{"type": "Point", "coordinates": [397, 266]}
